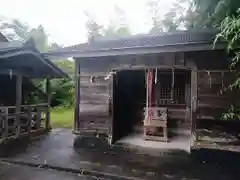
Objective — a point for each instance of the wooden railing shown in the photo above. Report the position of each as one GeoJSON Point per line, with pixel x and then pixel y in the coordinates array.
{"type": "Point", "coordinates": [14, 124]}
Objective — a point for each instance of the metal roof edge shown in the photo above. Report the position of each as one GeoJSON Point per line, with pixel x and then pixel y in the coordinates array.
{"type": "Point", "coordinates": [38, 55]}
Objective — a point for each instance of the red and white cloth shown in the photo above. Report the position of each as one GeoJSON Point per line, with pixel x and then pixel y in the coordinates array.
{"type": "Point", "coordinates": [149, 95]}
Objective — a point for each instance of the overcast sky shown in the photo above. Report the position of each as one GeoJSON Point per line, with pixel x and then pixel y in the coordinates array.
{"type": "Point", "coordinates": [64, 20]}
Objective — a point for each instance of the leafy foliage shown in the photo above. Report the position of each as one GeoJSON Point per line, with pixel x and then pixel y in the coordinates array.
{"type": "Point", "coordinates": [233, 113]}
{"type": "Point", "coordinates": [117, 28]}
{"type": "Point", "coordinates": [230, 33]}
{"type": "Point", "coordinates": [209, 13]}
{"type": "Point", "coordinates": [63, 89]}
{"type": "Point", "coordinates": [170, 21]}
{"type": "Point", "coordinates": [93, 28]}
{"type": "Point", "coordinates": [16, 30]}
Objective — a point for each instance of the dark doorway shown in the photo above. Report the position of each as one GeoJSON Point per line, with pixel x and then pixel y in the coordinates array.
{"type": "Point", "coordinates": [129, 100]}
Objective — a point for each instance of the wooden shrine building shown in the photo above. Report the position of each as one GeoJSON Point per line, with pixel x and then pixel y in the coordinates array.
{"type": "Point", "coordinates": [178, 76]}
{"type": "Point", "coordinates": [20, 63]}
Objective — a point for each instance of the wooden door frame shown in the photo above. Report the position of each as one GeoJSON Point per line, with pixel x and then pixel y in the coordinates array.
{"type": "Point", "coordinates": [194, 103]}
{"type": "Point", "coordinates": [112, 84]}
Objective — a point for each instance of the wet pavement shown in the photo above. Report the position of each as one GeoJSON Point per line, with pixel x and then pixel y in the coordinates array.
{"type": "Point", "coordinates": [17, 172]}
{"type": "Point", "coordinates": [56, 151]}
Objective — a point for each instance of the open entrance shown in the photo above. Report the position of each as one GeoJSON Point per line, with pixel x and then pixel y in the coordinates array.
{"type": "Point", "coordinates": [170, 90]}
{"type": "Point", "coordinates": [129, 101]}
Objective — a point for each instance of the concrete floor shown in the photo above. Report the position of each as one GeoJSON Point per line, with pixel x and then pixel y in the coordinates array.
{"type": "Point", "coordinates": [181, 142]}
{"type": "Point", "coordinates": [92, 158]}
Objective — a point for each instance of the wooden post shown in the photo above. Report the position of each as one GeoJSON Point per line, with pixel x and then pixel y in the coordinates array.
{"type": "Point", "coordinates": [38, 117]}
{"type": "Point", "coordinates": [5, 119]}
{"type": "Point", "coordinates": [29, 113]}
{"type": "Point", "coordinates": [111, 123]}
{"type": "Point", "coordinates": [18, 103]}
{"type": "Point", "coordinates": [77, 96]}
{"type": "Point", "coordinates": [194, 106]}
{"type": "Point", "coordinates": [49, 96]}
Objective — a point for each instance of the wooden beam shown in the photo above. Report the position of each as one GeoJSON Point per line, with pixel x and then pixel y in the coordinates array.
{"type": "Point", "coordinates": [49, 97]}
{"type": "Point", "coordinates": [18, 103]}
{"type": "Point", "coordinates": [159, 67]}
{"type": "Point", "coordinates": [77, 96]}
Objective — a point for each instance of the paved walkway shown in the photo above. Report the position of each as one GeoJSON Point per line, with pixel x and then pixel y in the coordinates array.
{"type": "Point", "coordinates": [55, 151]}
{"type": "Point", "coordinates": [17, 172]}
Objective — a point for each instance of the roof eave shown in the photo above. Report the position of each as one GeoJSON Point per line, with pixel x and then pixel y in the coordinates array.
{"type": "Point", "coordinates": [137, 50]}
{"type": "Point", "coordinates": [58, 72]}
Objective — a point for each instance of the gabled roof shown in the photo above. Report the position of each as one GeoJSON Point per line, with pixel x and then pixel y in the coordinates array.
{"type": "Point", "coordinates": [25, 59]}
{"type": "Point", "coordinates": [162, 40]}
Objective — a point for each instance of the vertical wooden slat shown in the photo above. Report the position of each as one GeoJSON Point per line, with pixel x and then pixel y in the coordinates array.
{"type": "Point", "coordinates": [5, 122]}
{"type": "Point", "coordinates": [38, 117]}
{"type": "Point", "coordinates": [77, 96]}
{"type": "Point", "coordinates": [29, 113]}
{"type": "Point", "coordinates": [172, 86]}
{"type": "Point", "coordinates": [194, 105]}
{"type": "Point", "coordinates": [48, 92]}
{"type": "Point", "coordinates": [18, 103]}
{"type": "Point", "coordinates": [111, 107]}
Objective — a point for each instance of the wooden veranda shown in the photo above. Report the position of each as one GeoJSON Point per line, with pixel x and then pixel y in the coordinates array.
{"type": "Point", "coordinates": [19, 65]}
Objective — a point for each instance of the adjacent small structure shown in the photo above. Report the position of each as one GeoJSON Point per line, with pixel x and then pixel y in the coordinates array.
{"type": "Point", "coordinates": [112, 88]}
{"type": "Point", "coordinates": [19, 63]}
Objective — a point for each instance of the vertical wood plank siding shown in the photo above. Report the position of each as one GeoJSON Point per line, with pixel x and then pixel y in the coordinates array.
{"type": "Point", "coordinates": [77, 96]}
{"type": "Point", "coordinates": [94, 90]}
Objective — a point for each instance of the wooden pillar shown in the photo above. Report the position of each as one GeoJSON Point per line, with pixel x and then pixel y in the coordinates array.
{"type": "Point", "coordinates": [29, 113]}
{"type": "Point", "coordinates": [49, 96]}
{"type": "Point", "coordinates": [194, 103]}
{"type": "Point", "coordinates": [38, 118]}
{"type": "Point", "coordinates": [18, 103]}
{"type": "Point", "coordinates": [111, 123]}
{"type": "Point", "coordinates": [77, 96]}
{"type": "Point", "coordinates": [5, 119]}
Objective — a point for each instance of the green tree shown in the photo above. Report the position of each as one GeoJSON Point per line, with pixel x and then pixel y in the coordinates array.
{"type": "Point", "coordinates": [94, 30]}
{"type": "Point", "coordinates": [230, 33]}
{"type": "Point", "coordinates": [209, 13]}
{"type": "Point", "coordinates": [40, 37]}
{"type": "Point", "coordinates": [118, 26]}
{"type": "Point", "coordinates": [170, 21]}
{"type": "Point", "coordinates": [155, 13]}
{"type": "Point", "coordinates": [16, 30]}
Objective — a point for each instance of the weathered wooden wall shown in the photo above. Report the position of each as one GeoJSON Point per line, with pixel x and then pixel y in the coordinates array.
{"type": "Point", "coordinates": [212, 78]}
{"type": "Point", "coordinates": [94, 103]}
{"type": "Point", "coordinates": [211, 101]}
{"type": "Point", "coordinates": [94, 115]}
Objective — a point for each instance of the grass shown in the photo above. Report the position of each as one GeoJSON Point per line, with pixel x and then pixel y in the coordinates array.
{"type": "Point", "coordinates": [62, 117]}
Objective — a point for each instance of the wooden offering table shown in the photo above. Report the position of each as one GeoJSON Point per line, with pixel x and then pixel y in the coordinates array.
{"type": "Point", "coordinates": [155, 128]}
